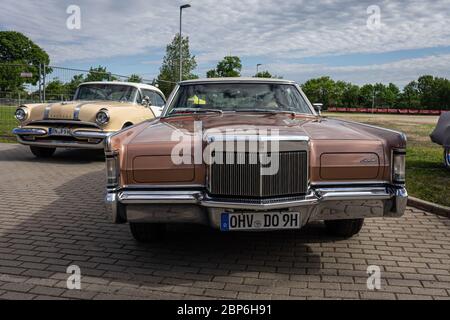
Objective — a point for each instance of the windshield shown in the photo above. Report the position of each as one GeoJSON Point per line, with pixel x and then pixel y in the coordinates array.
{"type": "Point", "coordinates": [111, 92]}
{"type": "Point", "coordinates": [239, 97]}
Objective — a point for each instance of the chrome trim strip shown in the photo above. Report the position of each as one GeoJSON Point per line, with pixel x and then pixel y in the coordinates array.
{"type": "Point", "coordinates": [170, 197]}
{"type": "Point", "coordinates": [314, 197]}
{"type": "Point", "coordinates": [29, 131]}
{"type": "Point", "coordinates": [47, 111]}
{"type": "Point", "coordinates": [63, 122]}
{"type": "Point", "coordinates": [162, 186]}
{"type": "Point", "coordinates": [227, 138]}
{"type": "Point", "coordinates": [349, 183]}
{"type": "Point", "coordinates": [61, 144]}
{"type": "Point", "coordinates": [91, 134]}
{"type": "Point", "coordinates": [76, 111]}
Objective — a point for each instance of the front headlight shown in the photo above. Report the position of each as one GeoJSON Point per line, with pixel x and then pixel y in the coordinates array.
{"type": "Point", "coordinates": [112, 169]}
{"type": "Point", "coordinates": [102, 117]}
{"type": "Point", "coordinates": [399, 166]}
{"type": "Point", "coordinates": [21, 113]}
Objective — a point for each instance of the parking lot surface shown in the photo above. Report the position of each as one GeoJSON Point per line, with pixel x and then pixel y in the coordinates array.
{"type": "Point", "coordinates": [52, 216]}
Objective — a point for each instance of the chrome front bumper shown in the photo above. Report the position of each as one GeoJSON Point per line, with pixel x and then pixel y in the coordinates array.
{"type": "Point", "coordinates": [194, 206]}
{"type": "Point", "coordinates": [53, 143]}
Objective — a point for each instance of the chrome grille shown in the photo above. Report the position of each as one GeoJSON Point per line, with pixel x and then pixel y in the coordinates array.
{"type": "Point", "coordinates": [239, 175]}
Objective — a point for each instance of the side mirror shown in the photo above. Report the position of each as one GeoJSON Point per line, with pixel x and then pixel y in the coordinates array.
{"type": "Point", "coordinates": [318, 107]}
{"type": "Point", "coordinates": [146, 101]}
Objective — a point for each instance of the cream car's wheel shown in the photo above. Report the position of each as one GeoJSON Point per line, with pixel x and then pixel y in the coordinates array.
{"type": "Point", "coordinates": [147, 232]}
{"type": "Point", "coordinates": [344, 228]}
{"type": "Point", "coordinates": [447, 158]}
{"type": "Point", "coordinates": [40, 152]}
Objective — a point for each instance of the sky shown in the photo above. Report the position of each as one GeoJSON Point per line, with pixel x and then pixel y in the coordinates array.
{"type": "Point", "coordinates": [352, 40]}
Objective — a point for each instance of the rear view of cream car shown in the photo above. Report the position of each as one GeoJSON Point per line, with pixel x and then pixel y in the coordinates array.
{"type": "Point", "coordinates": [98, 110]}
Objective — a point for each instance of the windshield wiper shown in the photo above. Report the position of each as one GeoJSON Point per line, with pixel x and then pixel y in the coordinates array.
{"type": "Point", "coordinates": [181, 111]}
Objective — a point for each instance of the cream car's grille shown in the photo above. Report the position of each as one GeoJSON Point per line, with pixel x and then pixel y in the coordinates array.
{"type": "Point", "coordinates": [239, 174]}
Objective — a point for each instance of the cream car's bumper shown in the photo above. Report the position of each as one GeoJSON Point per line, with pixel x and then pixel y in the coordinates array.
{"type": "Point", "coordinates": [39, 137]}
{"type": "Point", "coordinates": [194, 206]}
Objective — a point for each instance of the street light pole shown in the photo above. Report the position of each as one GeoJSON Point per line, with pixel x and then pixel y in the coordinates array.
{"type": "Point", "coordinates": [257, 67]}
{"type": "Point", "coordinates": [181, 38]}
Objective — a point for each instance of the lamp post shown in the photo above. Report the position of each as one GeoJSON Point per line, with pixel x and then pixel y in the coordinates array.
{"type": "Point", "coordinates": [185, 6]}
{"type": "Point", "coordinates": [257, 67]}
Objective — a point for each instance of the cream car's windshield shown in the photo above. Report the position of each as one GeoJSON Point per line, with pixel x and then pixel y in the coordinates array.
{"type": "Point", "coordinates": [238, 97]}
{"type": "Point", "coordinates": [111, 92]}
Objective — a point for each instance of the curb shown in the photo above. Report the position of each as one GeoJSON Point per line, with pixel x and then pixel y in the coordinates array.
{"type": "Point", "coordinates": [428, 206]}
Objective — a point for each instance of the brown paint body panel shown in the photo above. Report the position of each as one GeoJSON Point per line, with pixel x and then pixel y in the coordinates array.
{"type": "Point", "coordinates": [349, 166]}
{"type": "Point", "coordinates": [161, 169]}
{"type": "Point", "coordinates": [153, 141]}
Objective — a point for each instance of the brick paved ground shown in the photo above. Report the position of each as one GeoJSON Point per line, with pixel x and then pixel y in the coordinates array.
{"type": "Point", "coordinates": [52, 216]}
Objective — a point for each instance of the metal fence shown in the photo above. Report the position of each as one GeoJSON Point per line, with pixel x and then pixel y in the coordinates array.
{"type": "Point", "coordinates": [21, 84]}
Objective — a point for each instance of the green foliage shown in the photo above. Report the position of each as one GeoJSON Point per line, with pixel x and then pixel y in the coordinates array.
{"type": "Point", "coordinates": [99, 74]}
{"type": "Point", "coordinates": [321, 90]}
{"type": "Point", "coordinates": [15, 48]}
{"type": "Point", "coordinates": [264, 74]}
{"type": "Point", "coordinates": [135, 78]}
{"type": "Point", "coordinates": [169, 73]}
{"type": "Point", "coordinates": [427, 92]}
{"type": "Point", "coordinates": [230, 66]}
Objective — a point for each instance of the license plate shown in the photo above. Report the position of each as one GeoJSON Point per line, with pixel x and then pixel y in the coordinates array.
{"type": "Point", "coordinates": [259, 221]}
{"type": "Point", "coordinates": [59, 132]}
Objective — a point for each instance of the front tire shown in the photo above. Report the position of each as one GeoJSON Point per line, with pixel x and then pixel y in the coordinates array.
{"type": "Point", "coordinates": [447, 158]}
{"type": "Point", "coordinates": [147, 232]}
{"type": "Point", "coordinates": [344, 228]}
{"type": "Point", "coordinates": [41, 152]}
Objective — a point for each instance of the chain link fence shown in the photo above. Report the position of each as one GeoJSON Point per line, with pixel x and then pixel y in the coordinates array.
{"type": "Point", "coordinates": [25, 84]}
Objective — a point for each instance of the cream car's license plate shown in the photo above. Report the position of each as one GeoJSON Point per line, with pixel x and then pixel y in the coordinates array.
{"type": "Point", "coordinates": [259, 220]}
{"type": "Point", "coordinates": [59, 132]}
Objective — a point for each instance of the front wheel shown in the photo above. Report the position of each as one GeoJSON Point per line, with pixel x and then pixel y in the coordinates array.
{"type": "Point", "coordinates": [147, 232]}
{"type": "Point", "coordinates": [447, 158]}
{"type": "Point", "coordinates": [40, 152]}
{"type": "Point", "coordinates": [344, 228]}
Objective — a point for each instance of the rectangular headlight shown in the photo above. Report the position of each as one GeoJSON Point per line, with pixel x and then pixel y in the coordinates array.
{"type": "Point", "coordinates": [399, 166]}
{"type": "Point", "coordinates": [112, 170]}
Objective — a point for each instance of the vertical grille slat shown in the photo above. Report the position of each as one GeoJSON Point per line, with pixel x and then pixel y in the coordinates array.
{"type": "Point", "coordinates": [239, 175]}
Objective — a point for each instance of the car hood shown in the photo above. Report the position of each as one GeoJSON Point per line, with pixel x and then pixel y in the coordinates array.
{"type": "Point", "coordinates": [146, 149]}
{"type": "Point", "coordinates": [165, 130]}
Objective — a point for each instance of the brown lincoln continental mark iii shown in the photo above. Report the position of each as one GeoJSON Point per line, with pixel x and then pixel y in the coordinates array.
{"type": "Point", "coordinates": [252, 154]}
{"type": "Point", "coordinates": [98, 109]}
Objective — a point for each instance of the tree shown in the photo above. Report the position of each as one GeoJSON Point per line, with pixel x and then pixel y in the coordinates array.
{"type": "Point", "coordinates": [16, 48]}
{"type": "Point", "coordinates": [410, 98]}
{"type": "Point", "coordinates": [72, 86]}
{"type": "Point", "coordinates": [321, 90]}
{"type": "Point", "coordinates": [169, 73]}
{"type": "Point", "coordinates": [230, 66]}
{"type": "Point", "coordinates": [366, 96]}
{"type": "Point", "coordinates": [99, 74]}
{"type": "Point", "coordinates": [135, 78]}
{"type": "Point", "coordinates": [263, 74]}
{"type": "Point", "coordinates": [347, 94]}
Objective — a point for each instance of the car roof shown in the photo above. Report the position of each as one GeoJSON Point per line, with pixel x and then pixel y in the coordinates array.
{"type": "Point", "coordinates": [239, 80]}
{"type": "Point", "coordinates": [131, 84]}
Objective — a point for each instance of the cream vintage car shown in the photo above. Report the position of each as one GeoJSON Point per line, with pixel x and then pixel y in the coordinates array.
{"type": "Point", "coordinates": [97, 110]}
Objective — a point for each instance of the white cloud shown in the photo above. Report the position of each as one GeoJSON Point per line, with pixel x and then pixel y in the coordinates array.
{"type": "Point", "coordinates": [400, 72]}
{"type": "Point", "coordinates": [269, 29]}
